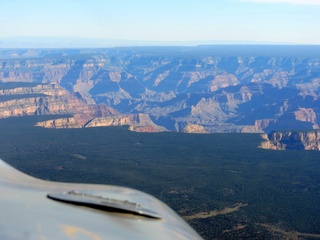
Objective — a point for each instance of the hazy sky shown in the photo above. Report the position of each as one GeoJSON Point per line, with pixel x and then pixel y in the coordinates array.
{"type": "Point", "coordinates": [288, 21]}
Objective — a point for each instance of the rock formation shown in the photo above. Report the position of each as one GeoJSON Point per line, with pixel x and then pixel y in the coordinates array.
{"type": "Point", "coordinates": [47, 99]}
{"type": "Point", "coordinates": [194, 128]}
{"type": "Point", "coordinates": [60, 123]}
{"type": "Point", "coordinates": [292, 140]}
{"type": "Point", "coordinates": [51, 99]}
{"type": "Point", "coordinates": [136, 122]}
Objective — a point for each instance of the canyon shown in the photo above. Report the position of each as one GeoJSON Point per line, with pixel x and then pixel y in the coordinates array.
{"type": "Point", "coordinates": [209, 89]}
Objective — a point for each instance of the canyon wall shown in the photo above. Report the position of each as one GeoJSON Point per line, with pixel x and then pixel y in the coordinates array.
{"type": "Point", "coordinates": [51, 99]}
{"type": "Point", "coordinates": [292, 140]}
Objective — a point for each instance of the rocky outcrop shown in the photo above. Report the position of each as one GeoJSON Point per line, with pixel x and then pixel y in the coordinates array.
{"type": "Point", "coordinates": [152, 128]}
{"type": "Point", "coordinates": [86, 113]}
{"type": "Point", "coordinates": [292, 140]}
{"type": "Point", "coordinates": [60, 123]}
{"type": "Point", "coordinates": [136, 122]}
{"type": "Point", "coordinates": [194, 128]}
{"type": "Point", "coordinates": [306, 115]}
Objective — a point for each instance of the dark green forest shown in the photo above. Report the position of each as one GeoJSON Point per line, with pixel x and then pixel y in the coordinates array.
{"type": "Point", "coordinates": [190, 172]}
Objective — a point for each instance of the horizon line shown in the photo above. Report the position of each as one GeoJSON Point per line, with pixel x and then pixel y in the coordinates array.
{"type": "Point", "coordinates": [67, 41]}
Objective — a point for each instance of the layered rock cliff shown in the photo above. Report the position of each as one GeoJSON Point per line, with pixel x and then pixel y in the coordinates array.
{"type": "Point", "coordinates": [51, 99]}
{"type": "Point", "coordinates": [47, 99]}
{"type": "Point", "coordinates": [292, 140]}
{"type": "Point", "coordinates": [60, 123]}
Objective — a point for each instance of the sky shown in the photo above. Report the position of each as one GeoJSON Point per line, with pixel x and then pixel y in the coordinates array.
{"type": "Point", "coordinates": [235, 21]}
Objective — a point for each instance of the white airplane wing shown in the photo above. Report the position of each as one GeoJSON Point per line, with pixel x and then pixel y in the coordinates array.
{"type": "Point", "coordinates": [35, 209]}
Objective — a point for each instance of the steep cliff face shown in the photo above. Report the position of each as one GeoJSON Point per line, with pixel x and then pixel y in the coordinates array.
{"type": "Point", "coordinates": [38, 100]}
{"type": "Point", "coordinates": [47, 99]}
{"type": "Point", "coordinates": [292, 140]}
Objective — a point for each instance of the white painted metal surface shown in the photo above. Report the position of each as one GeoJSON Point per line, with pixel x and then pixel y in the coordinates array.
{"type": "Point", "coordinates": [26, 212]}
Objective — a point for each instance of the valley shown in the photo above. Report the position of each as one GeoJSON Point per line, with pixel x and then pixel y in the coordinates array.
{"type": "Point", "coordinates": [219, 88]}
{"type": "Point", "coordinates": [192, 126]}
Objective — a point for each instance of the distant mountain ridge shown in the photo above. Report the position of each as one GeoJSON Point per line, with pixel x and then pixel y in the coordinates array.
{"type": "Point", "coordinates": [78, 42]}
{"type": "Point", "coordinates": [220, 88]}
